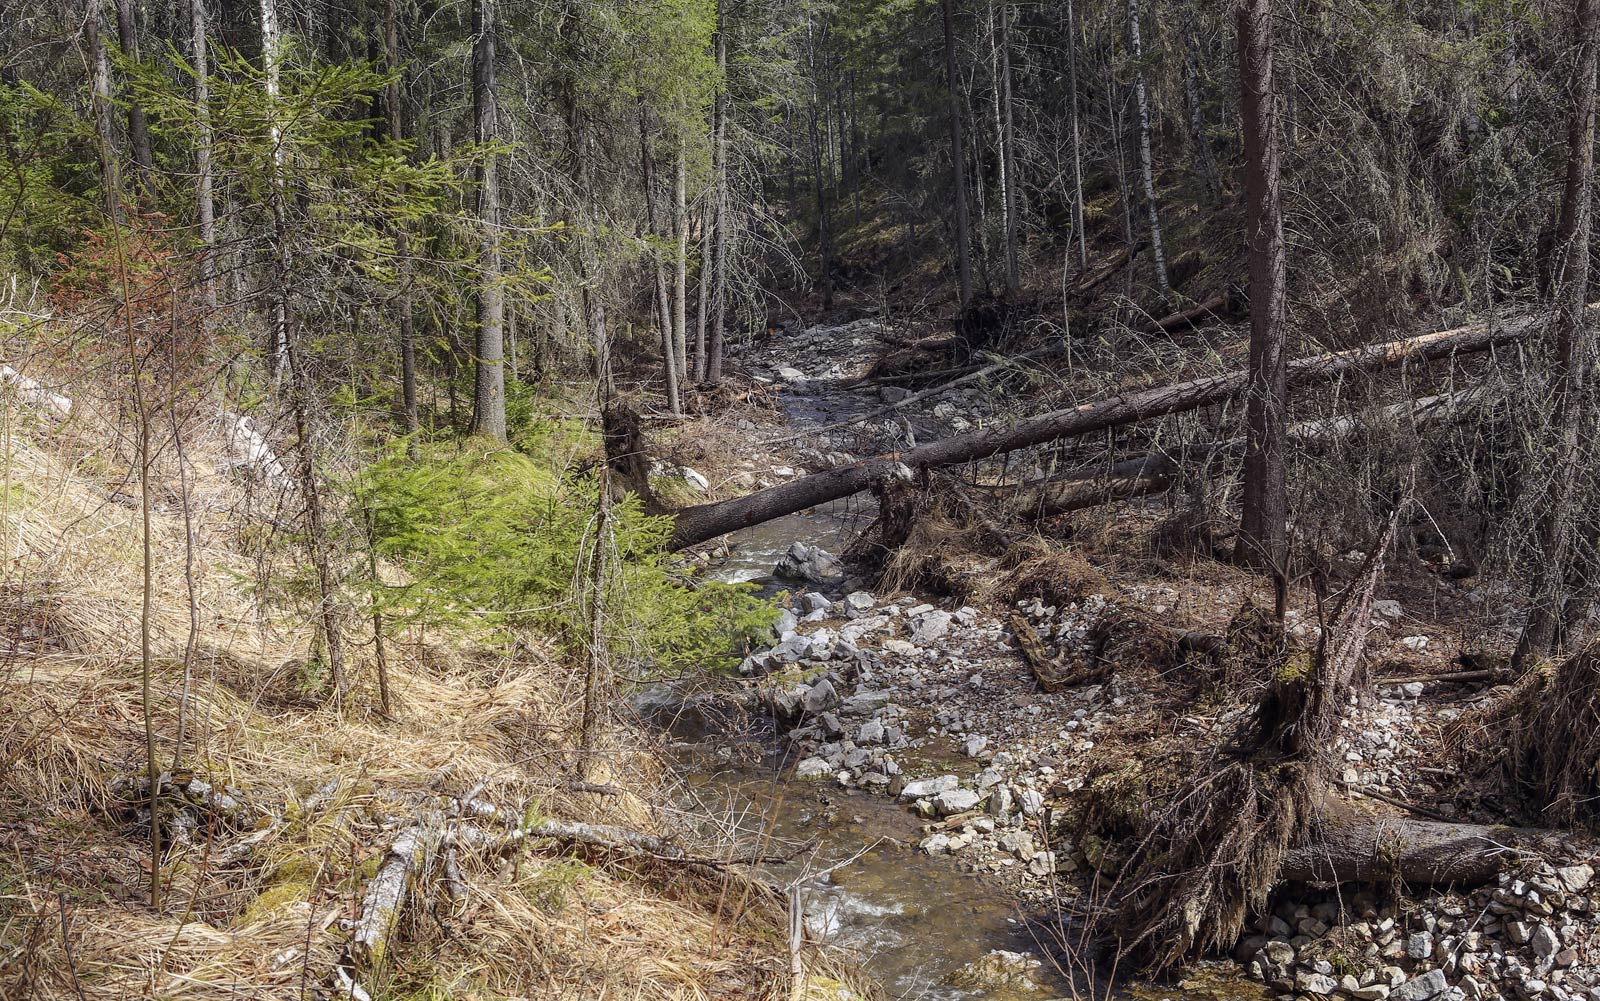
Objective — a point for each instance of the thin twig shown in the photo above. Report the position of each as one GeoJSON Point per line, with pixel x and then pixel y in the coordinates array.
{"type": "Point", "coordinates": [66, 943]}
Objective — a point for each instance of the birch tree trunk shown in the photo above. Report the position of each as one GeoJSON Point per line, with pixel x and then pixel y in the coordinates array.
{"type": "Point", "coordinates": [1572, 407]}
{"type": "Point", "coordinates": [205, 205]}
{"type": "Point", "coordinates": [958, 156]}
{"type": "Point", "coordinates": [271, 61]}
{"type": "Point", "coordinates": [489, 388]}
{"type": "Point", "coordinates": [1000, 69]}
{"type": "Point", "coordinates": [1146, 164]}
{"type": "Point", "coordinates": [1263, 527]}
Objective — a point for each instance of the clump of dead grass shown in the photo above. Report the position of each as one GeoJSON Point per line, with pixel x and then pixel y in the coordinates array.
{"type": "Point", "coordinates": [257, 907]}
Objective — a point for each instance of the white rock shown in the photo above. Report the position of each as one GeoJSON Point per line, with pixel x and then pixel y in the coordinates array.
{"type": "Point", "coordinates": [1416, 644]}
{"type": "Point", "coordinates": [927, 787]}
{"type": "Point", "coordinates": [812, 768]}
{"type": "Point", "coordinates": [695, 479]}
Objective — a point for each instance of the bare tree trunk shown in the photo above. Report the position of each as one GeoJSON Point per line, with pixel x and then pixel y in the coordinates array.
{"type": "Point", "coordinates": [489, 386]}
{"type": "Point", "coordinates": [205, 206]}
{"type": "Point", "coordinates": [272, 60]}
{"type": "Point", "coordinates": [1540, 635]}
{"type": "Point", "coordinates": [669, 357]}
{"type": "Point", "coordinates": [820, 182]}
{"type": "Point", "coordinates": [680, 261]}
{"type": "Point", "coordinates": [402, 248]}
{"type": "Point", "coordinates": [1008, 166]}
{"type": "Point", "coordinates": [958, 156]}
{"type": "Point", "coordinates": [1146, 163]}
{"type": "Point", "coordinates": [708, 265]}
{"type": "Point", "coordinates": [138, 124]}
{"type": "Point", "coordinates": [719, 278]}
{"type": "Point", "coordinates": [100, 90]}
{"type": "Point", "coordinates": [1204, 163]}
{"type": "Point", "coordinates": [1077, 142]}
{"type": "Point", "coordinates": [1264, 526]}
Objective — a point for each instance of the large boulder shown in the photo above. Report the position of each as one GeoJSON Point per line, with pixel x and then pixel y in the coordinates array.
{"type": "Point", "coordinates": [810, 563]}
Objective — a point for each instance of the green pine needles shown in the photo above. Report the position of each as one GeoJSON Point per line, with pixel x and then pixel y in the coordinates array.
{"type": "Point", "coordinates": [498, 540]}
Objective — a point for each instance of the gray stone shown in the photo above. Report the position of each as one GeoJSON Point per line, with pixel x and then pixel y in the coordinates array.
{"type": "Point", "coordinates": [1545, 942]}
{"type": "Point", "coordinates": [1031, 801]}
{"type": "Point", "coordinates": [812, 768]}
{"type": "Point", "coordinates": [829, 724]}
{"type": "Point", "coordinates": [930, 626]}
{"type": "Point", "coordinates": [1424, 988]}
{"type": "Point", "coordinates": [1315, 983]}
{"type": "Point", "coordinates": [1000, 804]}
{"type": "Point", "coordinates": [810, 563]}
{"type": "Point", "coordinates": [927, 787]}
{"type": "Point", "coordinates": [814, 602]}
{"type": "Point", "coordinates": [974, 745]}
{"type": "Point", "coordinates": [953, 801]}
{"type": "Point", "coordinates": [1575, 878]}
{"type": "Point", "coordinates": [821, 697]}
{"type": "Point", "coordinates": [860, 601]}
{"type": "Point", "coordinates": [1420, 945]}
{"type": "Point", "coordinates": [870, 732]}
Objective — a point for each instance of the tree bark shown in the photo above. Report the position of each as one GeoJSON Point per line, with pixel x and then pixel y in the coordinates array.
{"type": "Point", "coordinates": [719, 277]}
{"type": "Point", "coordinates": [680, 261]}
{"type": "Point", "coordinates": [138, 123]}
{"type": "Point", "coordinates": [1263, 529]}
{"type": "Point", "coordinates": [669, 358]}
{"type": "Point", "coordinates": [1204, 163]}
{"type": "Point", "coordinates": [820, 184]}
{"type": "Point", "coordinates": [272, 66]}
{"type": "Point", "coordinates": [1572, 408]}
{"type": "Point", "coordinates": [1352, 847]}
{"type": "Point", "coordinates": [1146, 163]}
{"type": "Point", "coordinates": [706, 521]}
{"type": "Point", "coordinates": [489, 387]}
{"type": "Point", "coordinates": [1008, 165]}
{"type": "Point", "coordinates": [1077, 144]}
{"type": "Point", "coordinates": [100, 99]}
{"type": "Point", "coordinates": [958, 156]}
{"type": "Point", "coordinates": [402, 249]}
{"type": "Point", "coordinates": [205, 205]}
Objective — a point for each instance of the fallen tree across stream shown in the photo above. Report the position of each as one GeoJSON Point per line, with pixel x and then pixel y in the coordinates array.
{"type": "Point", "coordinates": [707, 521]}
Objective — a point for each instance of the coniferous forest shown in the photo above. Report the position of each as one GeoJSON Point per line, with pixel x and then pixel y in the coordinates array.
{"type": "Point", "coordinates": [802, 499]}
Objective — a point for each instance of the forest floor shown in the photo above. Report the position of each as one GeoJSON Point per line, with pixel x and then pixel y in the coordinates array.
{"type": "Point", "coordinates": [286, 814]}
{"type": "Point", "coordinates": [920, 696]}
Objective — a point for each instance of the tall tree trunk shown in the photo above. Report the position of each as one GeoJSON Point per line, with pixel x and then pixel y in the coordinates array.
{"type": "Point", "coordinates": [1008, 163]}
{"type": "Point", "coordinates": [489, 387]}
{"type": "Point", "coordinates": [1204, 163]}
{"type": "Point", "coordinates": [680, 260]}
{"type": "Point", "coordinates": [1263, 528]}
{"type": "Point", "coordinates": [719, 278]}
{"type": "Point", "coordinates": [1572, 408]}
{"type": "Point", "coordinates": [205, 206]}
{"type": "Point", "coordinates": [1147, 171]}
{"type": "Point", "coordinates": [272, 66]}
{"type": "Point", "coordinates": [820, 182]}
{"type": "Point", "coordinates": [1077, 142]}
{"type": "Point", "coordinates": [138, 125]}
{"type": "Point", "coordinates": [958, 157]}
{"type": "Point", "coordinates": [402, 248]}
{"type": "Point", "coordinates": [669, 358]}
{"type": "Point", "coordinates": [100, 98]}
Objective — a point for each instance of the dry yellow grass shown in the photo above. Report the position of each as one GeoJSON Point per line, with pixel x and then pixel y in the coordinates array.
{"type": "Point", "coordinates": [258, 903]}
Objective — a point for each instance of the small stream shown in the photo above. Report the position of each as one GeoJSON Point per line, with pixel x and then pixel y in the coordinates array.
{"type": "Point", "coordinates": [914, 921]}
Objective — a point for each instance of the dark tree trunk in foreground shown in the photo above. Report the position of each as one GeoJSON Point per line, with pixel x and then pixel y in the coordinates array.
{"type": "Point", "coordinates": [707, 521]}
{"type": "Point", "coordinates": [1263, 528]}
{"type": "Point", "coordinates": [958, 156]}
{"type": "Point", "coordinates": [489, 386]}
{"type": "Point", "coordinates": [1557, 531]}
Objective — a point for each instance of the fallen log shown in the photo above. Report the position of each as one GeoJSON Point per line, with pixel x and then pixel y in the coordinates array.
{"type": "Point", "coordinates": [1155, 472]}
{"type": "Point", "coordinates": [1354, 848]}
{"type": "Point", "coordinates": [707, 521]}
{"type": "Point", "coordinates": [1111, 267]}
{"type": "Point", "coordinates": [1186, 317]}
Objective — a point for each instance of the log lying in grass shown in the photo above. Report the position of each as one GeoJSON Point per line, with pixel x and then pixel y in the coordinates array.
{"type": "Point", "coordinates": [1093, 281]}
{"type": "Point", "coordinates": [707, 521]}
{"type": "Point", "coordinates": [34, 395]}
{"type": "Point", "coordinates": [1190, 317]}
{"type": "Point", "coordinates": [1354, 848]}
